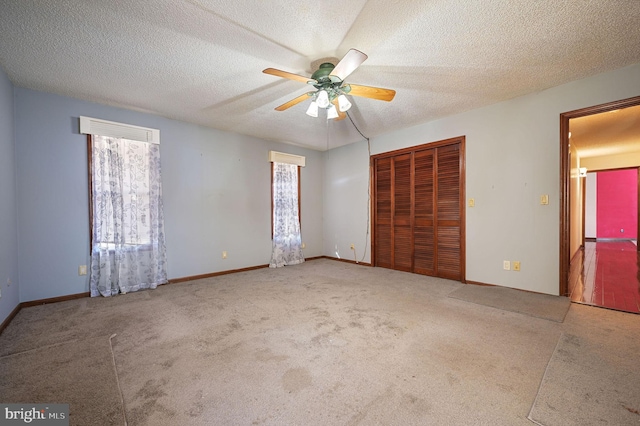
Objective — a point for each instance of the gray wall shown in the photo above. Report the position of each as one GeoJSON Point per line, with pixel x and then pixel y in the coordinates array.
{"type": "Point", "coordinates": [216, 194]}
{"type": "Point", "coordinates": [9, 278]}
{"type": "Point", "coordinates": [346, 202]}
{"type": "Point", "coordinates": [512, 158]}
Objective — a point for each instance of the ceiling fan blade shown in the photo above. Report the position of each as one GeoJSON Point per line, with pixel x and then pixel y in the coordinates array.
{"type": "Point", "coordinates": [290, 76]}
{"type": "Point", "coordinates": [372, 92]}
{"type": "Point", "coordinates": [349, 63]}
{"type": "Point", "coordinates": [293, 102]}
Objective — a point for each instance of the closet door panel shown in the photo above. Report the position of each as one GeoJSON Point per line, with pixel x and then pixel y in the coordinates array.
{"type": "Point", "coordinates": [448, 211]}
{"type": "Point", "coordinates": [402, 211]}
{"type": "Point", "coordinates": [382, 247]}
{"type": "Point", "coordinates": [423, 233]}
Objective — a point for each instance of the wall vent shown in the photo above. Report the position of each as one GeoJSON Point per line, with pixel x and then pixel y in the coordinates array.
{"type": "Point", "coordinates": [281, 157]}
{"type": "Point", "coordinates": [95, 126]}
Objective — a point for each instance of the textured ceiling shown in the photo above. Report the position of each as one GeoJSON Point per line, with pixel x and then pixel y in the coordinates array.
{"type": "Point", "coordinates": [201, 61]}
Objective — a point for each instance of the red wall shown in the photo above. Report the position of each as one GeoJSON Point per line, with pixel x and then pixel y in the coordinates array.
{"type": "Point", "coordinates": [618, 204]}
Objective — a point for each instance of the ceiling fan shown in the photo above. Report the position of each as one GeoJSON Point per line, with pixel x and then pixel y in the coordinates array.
{"type": "Point", "coordinates": [330, 87]}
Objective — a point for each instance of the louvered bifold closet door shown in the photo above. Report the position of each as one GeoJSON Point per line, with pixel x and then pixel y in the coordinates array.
{"type": "Point", "coordinates": [402, 213]}
{"type": "Point", "coordinates": [382, 247]}
{"type": "Point", "coordinates": [423, 231]}
{"type": "Point", "coordinates": [448, 212]}
{"type": "Point", "coordinates": [419, 209]}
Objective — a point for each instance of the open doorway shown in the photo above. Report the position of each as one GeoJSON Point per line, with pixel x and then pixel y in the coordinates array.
{"type": "Point", "coordinates": [598, 138]}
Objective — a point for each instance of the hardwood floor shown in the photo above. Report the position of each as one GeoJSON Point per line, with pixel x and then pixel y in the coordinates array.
{"type": "Point", "coordinates": [607, 274]}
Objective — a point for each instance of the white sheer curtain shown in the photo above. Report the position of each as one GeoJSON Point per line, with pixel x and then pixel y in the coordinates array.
{"type": "Point", "coordinates": [287, 242]}
{"type": "Point", "coordinates": [128, 246]}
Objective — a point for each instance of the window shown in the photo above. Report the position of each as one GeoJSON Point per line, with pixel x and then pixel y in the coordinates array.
{"type": "Point", "coordinates": [287, 239]}
{"type": "Point", "coordinates": [284, 191]}
{"type": "Point", "coordinates": [120, 188]}
{"type": "Point", "coordinates": [127, 225]}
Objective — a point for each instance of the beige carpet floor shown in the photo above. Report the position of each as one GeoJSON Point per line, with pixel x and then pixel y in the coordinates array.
{"type": "Point", "coordinates": [321, 343]}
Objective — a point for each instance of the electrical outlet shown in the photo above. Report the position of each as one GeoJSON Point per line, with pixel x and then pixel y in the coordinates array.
{"type": "Point", "coordinates": [82, 270]}
{"type": "Point", "coordinates": [304, 246]}
{"type": "Point", "coordinates": [353, 246]}
{"type": "Point", "coordinates": [506, 265]}
{"type": "Point", "coordinates": [224, 254]}
{"type": "Point", "coordinates": [516, 265]}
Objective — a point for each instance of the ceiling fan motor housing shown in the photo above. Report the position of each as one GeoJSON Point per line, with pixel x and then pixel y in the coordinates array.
{"type": "Point", "coordinates": [330, 83]}
{"type": "Point", "coordinates": [323, 71]}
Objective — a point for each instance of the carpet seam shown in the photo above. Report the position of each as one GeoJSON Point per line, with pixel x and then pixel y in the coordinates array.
{"type": "Point", "coordinates": [544, 376]}
{"type": "Point", "coordinates": [115, 370]}
{"type": "Point", "coordinates": [38, 349]}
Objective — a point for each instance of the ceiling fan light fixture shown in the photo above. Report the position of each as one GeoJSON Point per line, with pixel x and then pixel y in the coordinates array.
{"type": "Point", "coordinates": [332, 112]}
{"type": "Point", "coordinates": [323, 99]}
{"type": "Point", "coordinates": [343, 103]}
{"type": "Point", "coordinates": [312, 111]}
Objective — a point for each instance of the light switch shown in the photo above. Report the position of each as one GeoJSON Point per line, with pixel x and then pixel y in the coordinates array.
{"type": "Point", "coordinates": [544, 199]}
{"type": "Point", "coordinates": [472, 202]}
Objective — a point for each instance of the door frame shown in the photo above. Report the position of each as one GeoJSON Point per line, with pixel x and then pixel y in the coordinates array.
{"type": "Point", "coordinates": [565, 180]}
